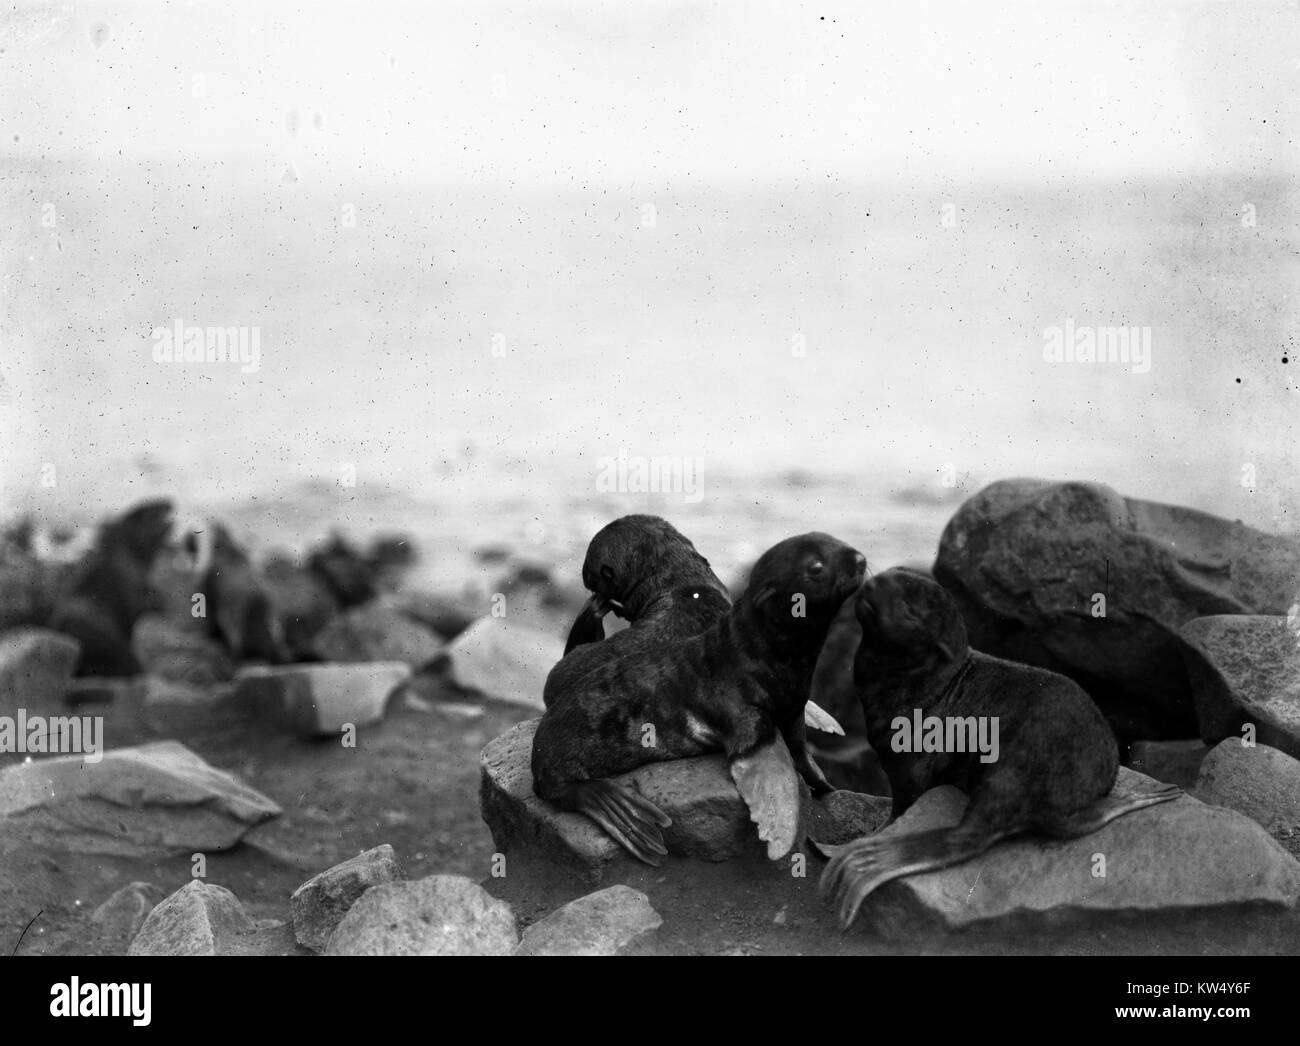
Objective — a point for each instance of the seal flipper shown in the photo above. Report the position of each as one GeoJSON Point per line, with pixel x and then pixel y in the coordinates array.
{"type": "Point", "coordinates": [1116, 804]}
{"type": "Point", "coordinates": [766, 781]}
{"type": "Point", "coordinates": [588, 626]}
{"type": "Point", "coordinates": [629, 819]}
{"type": "Point", "coordinates": [820, 719]}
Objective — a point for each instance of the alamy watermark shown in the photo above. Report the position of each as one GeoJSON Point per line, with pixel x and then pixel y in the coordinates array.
{"type": "Point", "coordinates": [190, 344]}
{"type": "Point", "coordinates": [1082, 344]}
{"type": "Point", "coordinates": [52, 735]}
{"type": "Point", "coordinates": [634, 474]}
{"type": "Point", "coordinates": [930, 733]}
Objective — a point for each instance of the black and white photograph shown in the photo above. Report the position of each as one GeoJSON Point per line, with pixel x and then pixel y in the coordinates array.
{"type": "Point", "coordinates": [712, 478]}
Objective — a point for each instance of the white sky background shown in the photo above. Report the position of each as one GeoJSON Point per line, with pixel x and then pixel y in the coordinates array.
{"type": "Point", "coordinates": [653, 90]}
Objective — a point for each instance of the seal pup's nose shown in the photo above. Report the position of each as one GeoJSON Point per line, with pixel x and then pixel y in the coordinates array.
{"type": "Point", "coordinates": [859, 564]}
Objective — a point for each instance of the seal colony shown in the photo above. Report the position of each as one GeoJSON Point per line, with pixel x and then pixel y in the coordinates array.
{"type": "Point", "coordinates": [739, 687]}
{"type": "Point", "coordinates": [1055, 770]}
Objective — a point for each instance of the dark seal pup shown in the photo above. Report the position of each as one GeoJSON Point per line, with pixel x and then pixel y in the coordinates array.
{"type": "Point", "coordinates": [739, 687]}
{"type": "Point", "coordinates": [647, 572]}
{"type": "Point", "coordinates": [239, 611]}
{"type": "Point", "coordinates": [112, 589]}
{"type": "Point", "coordinates": [1054, 767]}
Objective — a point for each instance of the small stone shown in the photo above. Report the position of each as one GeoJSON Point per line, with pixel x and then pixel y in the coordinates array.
{"type": "Point", "coordinates": [318, 700]}
{"type": "Point", "coordinates": [120, 917]}
{"type": "Point", "coordinates": [842, 816]}
{"type": "Point", "coordinates": [376, 633]}
{"type": "Point", "coordinates": [198, 919]}
{"type": "Point", "coordinates": [608, 922]}
{"type": "Point", "coordinates": [319, 903]}
{"type": "Point", "coordinates": [439, 915]}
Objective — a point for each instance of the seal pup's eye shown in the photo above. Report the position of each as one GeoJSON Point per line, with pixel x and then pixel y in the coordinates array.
{"type": "Point", "coordinates": [607, 573]}
{"type": "Point", "coordinates": [816, 567]}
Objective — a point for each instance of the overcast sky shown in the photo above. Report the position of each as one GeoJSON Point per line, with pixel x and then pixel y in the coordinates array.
{"type": "Point", "coordinates": [657, 89]}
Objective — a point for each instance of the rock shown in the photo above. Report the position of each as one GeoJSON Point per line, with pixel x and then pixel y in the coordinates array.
{"type": "Point", "coordinates": [508, 662]}
{"type": "Point", "coordinates": [320, 902]}
{"type": "Point", "coordinates": [1175, 858]}
{"type": "Point", "coordinates": [439, 915]}
{"type": "Point", "coordinates": [171, 707]}
{"type": "Point", "coordinates": [150, 801]}
{"type": "Point", "coordinates": [1024, 558]}
{"type": "Point", "coordinates": [1258, 781]}
{"type": "Point", "coordinates": [36, 667]}
{"type": "Point", "coordinates": [28, 589]}
{"type": "Point", "coordinates": [608, 922]}
{"type": "Point", "coordinates": [318, 700]}
{"type": "Point", "coordinates": [198, 919]}
{"type": "Point", "coordinates": [169, 651]}
{"type": "Point", "coordinates": [710, 820]}
{"type": "Point", "coordinates": [1178, 762]}
{"type": "Point", "coordinates": [376, 633]}
{"type": "Point", "coordinates": [841, 816]}
{"type": "Point", "coordinates": [1245, 670]}
{"type": "Point", "coordinates": [446, 615]}
{"type": "Point", "coordinates": [120, 917]}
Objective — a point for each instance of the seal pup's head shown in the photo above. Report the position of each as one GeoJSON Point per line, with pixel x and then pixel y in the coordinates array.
{"type": "Point", "coordinates": [909, 623]}
{"type": "Point", "coordinates": [636, 559]}
{"type": "Point", "coordinates": [798, 585]}
{"type": "Point", "coordinates": [142, 532]}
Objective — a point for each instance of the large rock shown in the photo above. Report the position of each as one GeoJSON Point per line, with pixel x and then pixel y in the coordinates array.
{"type": "Point", "coordinates": [318, 700]}
{"type": "Point", "coordinates": [198, 919]}
{"type": "Point", "coordinates": [1025, 557]}
{"type": "Point", "coordinates": [608, 922]}
{"type": "Point", "coordinates": [36, 667]}
{"type": "Point", "coordinates": [503, 660]}
{"type": "Point", "coordinates": [319, 903]}
{"type": "Point", "coordinates": [185, 655]}
{"type": "Point", "coordinates": [710, 820]}
{"type": "Point", "coordinates": [439, 915]}
{"type": "Point", "coordinates": [1174, 858]}
{"type": "Point", "coordinates": [376, 633]}
{"type": "Point", "coordinates": [151, 801]}
{"type": "Point", "coordinates": [1245, 670]}
{"type": "Point", "coordinates": [1258, 781]}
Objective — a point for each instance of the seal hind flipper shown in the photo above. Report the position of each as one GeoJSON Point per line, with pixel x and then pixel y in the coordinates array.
{"type": "Point", "coordinates": [588, 626]}
{"type": "Point", "coordinates": [1107, 808]}
{"type": "Point", "coordinates": [629, 819]}
{"type": "Point", "coordinates": [819, 719]}
{"type": "Point", "coordinates": [767, 782]}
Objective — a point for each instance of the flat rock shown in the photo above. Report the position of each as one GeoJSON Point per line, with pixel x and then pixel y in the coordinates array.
{"type": "Point", "coordinates": [503, 660]}
{"type": "Point", "coordinates": [1245, 670]}
{"type": "Point", "coordinates": [198, 919]}
{"type": "Point", "coordinates": [1178, 762]}
{"type": "Point", "coordinates": [36, 667]}
{"type": "Point", "coordinates": [319, 903]}
{"type": "Point", "coordinates": [438, 915]}
{"type": "Point", "coordinates": [149, 801]}
{"type": "Point", "coordinates": [166, 649]}
{"type": "Point", "coordinates": [608, 922]}
{"type": "Point", "coordinates": [1258, 781]}
{"type": "Point", "coordinates": [377, 633]}
{"type": "Point", "coordinates": [318, 700]}
{"type": "Point", "coordinates": [1025, 557]}
{"type": "Point", "coordinates": [710, 820]}
{"type": "Point", "coordinates": [120, 917]}
{"type": "Point", "coordinates": [1175, 858]}
{"type": "Point", "coordinates": [171, 707]}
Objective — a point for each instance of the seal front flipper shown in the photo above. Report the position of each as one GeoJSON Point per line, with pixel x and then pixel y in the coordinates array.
{"type": "Point", "coordinates": [630, 819]}
{"type": "Point", "coordinates": [766, 781]}
{"type": "Point", "coordinates": [589, 625]}
{"type": "Point", "coordinates": [820, 719]}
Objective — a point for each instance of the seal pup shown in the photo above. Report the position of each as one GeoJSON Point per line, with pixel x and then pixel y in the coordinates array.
{"type": "Point", "coordinates": [111, 590]}
{"type": "Point", "coordinates": [647, 572]}
{"type": "Point", "coordinates": [739, 687]}
{"type": "Point", "coordinates": [1052, 771]}
{"type": "Point", "coordinates": [239, 611]}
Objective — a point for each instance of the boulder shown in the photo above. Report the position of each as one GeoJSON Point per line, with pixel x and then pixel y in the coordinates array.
{"type": "Point", "coordinates": [1245, 670]}
{"type": "Point", "coordinates": [149, 801]}
{"type": "Point", "coordinates": [1258, 781]}
{"type": "Point", "coordinates": [502, 660]}
{"type": "Point", "coordinates": [449, 616]}
{"type": "Point", "coordinates": [438, 915]}
{"type": "Point", "coordinates": [608, 922]}
{"type": "Point", "coordinates": [376, 633]}
{"type": "Point", "coordinates": [318, 700]}
{"type": "Point", "coordinates": [1174, 859]}
{"type": "Point", "coordinates": [170, 651]}
{"type": "Point", "coordinates": [1025, 558]}
{"type": "Point", "coordinates": [198, 919]}
{"type": "Point", "coordinates": [843, 816]}
{"type": "Point", "coordinates": [36, 667]}
{"type": "Point", "coordinates": [319, 903]}
{"type": "Point", "coordinates": [1178, 762]}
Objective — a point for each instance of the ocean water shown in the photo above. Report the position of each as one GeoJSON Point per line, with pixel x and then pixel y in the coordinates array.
{"type": "Point", "coordinates": [468, 364]}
